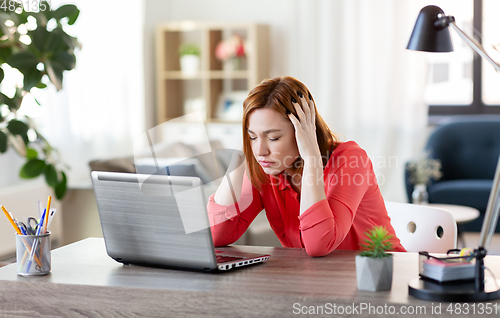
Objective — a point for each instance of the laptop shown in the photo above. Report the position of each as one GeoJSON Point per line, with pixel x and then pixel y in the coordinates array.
{"type": "Point", "coordinates": [161, 221]}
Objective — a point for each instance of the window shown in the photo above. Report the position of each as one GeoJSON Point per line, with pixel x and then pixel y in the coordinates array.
{"type": "Point", "coordinates": [462, 82]}
{"type": "Point", "coordinates": [491, 36]}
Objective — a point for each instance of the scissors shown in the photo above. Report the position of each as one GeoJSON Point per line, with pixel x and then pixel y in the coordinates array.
{"type": "Point", "coordinates": [32, 225]}
{"type": "Point", "coordinates": [22, 227]}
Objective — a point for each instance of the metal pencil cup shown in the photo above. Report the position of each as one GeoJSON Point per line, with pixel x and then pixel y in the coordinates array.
{"type": "Point", "coordinates": [33, 254]}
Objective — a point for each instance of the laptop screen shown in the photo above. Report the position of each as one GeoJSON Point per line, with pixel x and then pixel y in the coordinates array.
{"type": "Point", "coordinates": [154, 219]}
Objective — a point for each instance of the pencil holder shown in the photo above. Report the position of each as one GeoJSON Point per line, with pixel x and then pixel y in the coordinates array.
{"type": "Point", "coordinates": [33, 254]}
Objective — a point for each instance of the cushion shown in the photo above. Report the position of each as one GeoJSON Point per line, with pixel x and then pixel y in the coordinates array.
{"type": "Point", "coordinates": [186, 167]}
{"type": "Point", "coordinates": [113, 165]}
{"type": "Point", "coordinates": [474, 193]}
{"type": "Point", "coordinates": [467, 149]}
{"type": "Point", "coordinates": [182, 160]}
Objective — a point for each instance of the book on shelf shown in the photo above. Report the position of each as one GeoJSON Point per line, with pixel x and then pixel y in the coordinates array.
{"type": "Point", "coordinates": [448, 270]}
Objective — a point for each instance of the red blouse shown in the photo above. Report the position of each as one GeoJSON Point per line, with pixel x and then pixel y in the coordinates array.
{"type": "Point", "coordinates": [353, 205]}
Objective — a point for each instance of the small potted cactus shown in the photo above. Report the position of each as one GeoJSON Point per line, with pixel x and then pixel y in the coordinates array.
{"type": "Point", "coordinates": [374, 264]}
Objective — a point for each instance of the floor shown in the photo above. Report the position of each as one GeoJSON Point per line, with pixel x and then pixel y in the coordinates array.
{"type": "Point", "coordinates": [472, 241]}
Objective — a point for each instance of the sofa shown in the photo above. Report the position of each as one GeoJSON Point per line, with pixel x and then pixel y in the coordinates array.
{"type": "Point", "coordinates": [181, 159]}
{"type": "Point", "coordinates": [468, 148]}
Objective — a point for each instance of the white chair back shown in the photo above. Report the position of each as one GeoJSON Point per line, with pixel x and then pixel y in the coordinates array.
{"type": "Point", "coordinates": [423, 228]}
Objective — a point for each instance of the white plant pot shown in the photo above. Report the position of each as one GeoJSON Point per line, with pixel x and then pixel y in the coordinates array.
{"type": "Point", "coordinates": [374, 274]}
{"type": "Point", "coordinates": [190, 64]}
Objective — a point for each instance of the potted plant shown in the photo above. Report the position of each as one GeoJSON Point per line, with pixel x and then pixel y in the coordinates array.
{"type": "Point", "coordinates": [190, 58]}
{"type": "Point", "coordinates": [374, 264]}
{"type": "Point", "coordinates": [421, 171]}
{"type": "Point", "coordinates": [231, 51]}
{"type": "Point", "coordinates": [40, 52]}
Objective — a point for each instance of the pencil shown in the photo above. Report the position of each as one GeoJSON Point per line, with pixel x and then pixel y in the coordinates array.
{"type": "Point", "coordinates": [28, 247]}
{"type": "Point", "coordinates": [7, 214]}
{"type": "Point", "coordinates": [46, 221]}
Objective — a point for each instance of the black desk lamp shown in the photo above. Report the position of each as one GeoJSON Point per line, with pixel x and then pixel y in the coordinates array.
{"type": "Point", "coordinates": [432, 35]}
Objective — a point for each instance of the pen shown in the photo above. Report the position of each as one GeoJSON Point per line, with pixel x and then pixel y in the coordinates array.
{"type": "Point", "coordinates": [40, 208]}
{"type": "Point", "coordinates": [7, 214]}
{"type": "Point", "coordinates": [35, 243]}
{"type": "Point", "coordinates": [51, 215]}
{"type": "Point", "coordinates": [47, 211]}
{"type": "Point", "coordinates": [21, 227]}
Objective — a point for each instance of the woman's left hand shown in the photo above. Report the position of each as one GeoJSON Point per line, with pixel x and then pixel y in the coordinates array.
{"type": "Point", "coordinates": [305, 128]}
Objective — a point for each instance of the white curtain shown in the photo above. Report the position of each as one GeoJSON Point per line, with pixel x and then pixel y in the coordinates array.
{"type": "Point", "coordinates": [368, 87]}
{"type": "Point", "coordinates": [101, 108]}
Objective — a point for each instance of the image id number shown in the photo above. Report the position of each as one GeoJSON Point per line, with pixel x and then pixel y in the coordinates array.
{"type": "Point", "coordinates": [27, 5]}
{"type": "Point", "coordinates": [472, 308]}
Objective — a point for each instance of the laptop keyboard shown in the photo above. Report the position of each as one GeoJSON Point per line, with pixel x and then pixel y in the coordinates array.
{"type": "Point", "coordinates": [225, 258]}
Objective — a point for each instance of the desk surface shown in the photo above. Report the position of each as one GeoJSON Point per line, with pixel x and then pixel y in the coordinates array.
{"type": "Point", "coordinates": [85, 281]}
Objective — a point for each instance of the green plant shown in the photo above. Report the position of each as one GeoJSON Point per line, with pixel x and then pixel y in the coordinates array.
{"type": "Point", "coordinates": [423, 168]}
{"type": "Point", "coordinates": [377, 243]}
{"type": "Point", "coordinates": [35, 44]}
{"type": "Point", "coordinates": [189, 49]}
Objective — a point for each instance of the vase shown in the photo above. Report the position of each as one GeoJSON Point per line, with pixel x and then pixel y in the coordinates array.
{"type": "Point", "coordinates": [420, 194]}
{"type": "Point", "coordinates": [190, 65]}
{"type": "Point", "coordinates": [374, 274]}
{"type": "Point", "coordinates": [233, 64]}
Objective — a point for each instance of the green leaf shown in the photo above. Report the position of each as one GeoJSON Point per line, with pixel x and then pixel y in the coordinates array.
{"type": "Point", "coordinates": [24, 61]}
{"type": "Point", "coordinates": [55, 73]}
{"type": "Point", "coordinates": [33, 168]}
{"type": "Point", "coordinates": [32, 79]}
{"type": "Point", "coordinates": [8, 101]}
{"type": "Point", "coordinates": [67, 11]}
{"type": "Point", "coordinates": [55, 42]}
{"type": "Point", "coordinates": [17, 127]}
{"type": "Point", "coordinates": [5, 53]}
{"type": "Point", "coordinates": [73, 17]}
{"type": "Point", "coordinates": [2, 74]}
{"type": "Point", "coordinates": [23, 17]}
{"type": "Point", "coordinates": [60, 189]}
{"type": "Point", "coordinates": [51, 176]}
{"type": "Point", "coordinates": [65, 60]}
{"type": "Point", "coordinates": [3, 28]}
{"type": "Point", "coordinates": [40, 85]}
{"type": "Point", "coordinates": [3, 142]}
{"type": "Point", "coordinates": [69, 41]}
{"type": "Point", "coordinates": [39, 37]}
{"type": "Point", "coordinates": [31, 153]}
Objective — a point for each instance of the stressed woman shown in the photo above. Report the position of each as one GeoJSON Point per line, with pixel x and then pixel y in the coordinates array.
{"type": "Point", "coordinates": [318, 193]}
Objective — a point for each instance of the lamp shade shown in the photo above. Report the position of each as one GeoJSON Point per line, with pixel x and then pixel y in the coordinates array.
{"type": "Point", "coordinates": [428, 34]}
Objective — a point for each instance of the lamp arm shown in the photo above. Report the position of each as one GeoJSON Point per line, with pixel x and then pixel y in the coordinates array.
{"type": "Point", "coordinates": [475, 45]}
{"type": "Point", "coordinates": [492, 210]}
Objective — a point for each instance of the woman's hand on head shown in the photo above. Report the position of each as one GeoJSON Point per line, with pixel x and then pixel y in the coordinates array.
{"type": "Point", "coordinates": [305, 127]}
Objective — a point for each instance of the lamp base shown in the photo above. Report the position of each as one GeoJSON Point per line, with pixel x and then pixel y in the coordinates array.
{"type": "Point", "coordinates": [453, 291]}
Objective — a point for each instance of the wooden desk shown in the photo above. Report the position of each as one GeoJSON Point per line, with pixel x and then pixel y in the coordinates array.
{"type": "Point", "coordinates": [85, 282]}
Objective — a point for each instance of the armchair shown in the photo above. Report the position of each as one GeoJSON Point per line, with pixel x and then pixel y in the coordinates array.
{"type": "Point", "coordinates": [468, 148]}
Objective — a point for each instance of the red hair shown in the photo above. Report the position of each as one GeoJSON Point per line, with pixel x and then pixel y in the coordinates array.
{"type": "Point", "coordinates": [277, 93]}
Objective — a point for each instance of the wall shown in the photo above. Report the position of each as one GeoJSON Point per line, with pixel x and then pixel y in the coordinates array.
{"type": "Point", "coordinates": [304, 39]}
{"type": "Point", "coordinates": [278, 14]}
